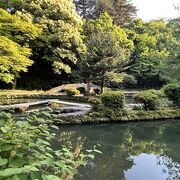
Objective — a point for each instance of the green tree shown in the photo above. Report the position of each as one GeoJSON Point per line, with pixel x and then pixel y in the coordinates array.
{"type": "Point", "coordinates": [5, 4]}
{"type": "Point", "coordinates": [122, 11]}
{"type": "Point", "coordinates": [85, 8]}
{"type": "Point", "coordinates": [154, 45]}
{"type": "Point", "coordinates": [108, 49]}
{"type": "Point", "coordinates": [171, 68]}
{"type": "Point", "coordinates": [13, 59]}
{"type": "Point", "coordinates": [60, 42]}
{"type": "Point", "coordinates": [14, 52]}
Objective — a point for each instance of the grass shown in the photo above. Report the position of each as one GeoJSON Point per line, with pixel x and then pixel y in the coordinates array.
{"type": "Point", "coordinates": [19, 92]}
{"type": "Point", "coordinates": [10, 94]}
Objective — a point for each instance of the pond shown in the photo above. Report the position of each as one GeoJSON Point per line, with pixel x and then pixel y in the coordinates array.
{"type": "Point", "coordinates": [133, 151]}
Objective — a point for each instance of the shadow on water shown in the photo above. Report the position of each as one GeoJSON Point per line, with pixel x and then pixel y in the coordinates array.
{"type": "Point", "coordinates": [136, 151]}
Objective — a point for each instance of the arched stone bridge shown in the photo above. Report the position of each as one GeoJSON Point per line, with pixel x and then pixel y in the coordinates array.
{"type": "Point", "coordinates": [82, 87]}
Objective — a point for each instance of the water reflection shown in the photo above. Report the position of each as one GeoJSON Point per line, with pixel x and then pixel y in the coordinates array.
{"type": "Point", "coordinates": [131, 151]}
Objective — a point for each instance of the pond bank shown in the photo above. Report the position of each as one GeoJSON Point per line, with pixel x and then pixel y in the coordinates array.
{"type": "Point", "coordinates": [93, 117]}
{"type": "Point", "coordinates": [132, 116]}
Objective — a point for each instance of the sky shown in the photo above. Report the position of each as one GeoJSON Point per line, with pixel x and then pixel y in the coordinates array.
{"type": "Point", "coordinates": [154, 9]}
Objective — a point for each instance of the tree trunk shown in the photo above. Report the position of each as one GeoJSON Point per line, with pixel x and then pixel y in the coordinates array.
{"type": "Point", "coordinates": [102, 85]}
{"type": "Point", "coordinates": [14, 83]}
{"type": "Point", "coordinates": [88, 87]}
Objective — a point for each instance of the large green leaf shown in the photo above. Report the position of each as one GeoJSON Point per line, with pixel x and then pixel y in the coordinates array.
{"type": "Point", "coordinates": [50, 177]}
{"type": "Point", "coordinates": [11, 171]}
{"type": "Point", "coordinates": [61, 164]}
{"type": "Point", "coordinates": [5, 129]}
{"type": "Point", "coordinates": [3, 162]}
{"type": "Point", "coordinates": [35, 175]}
{"type": "Point", "coordinates": [2, 122]}
{"type": "Point", "coordinates": [16, 162]}
{"type": "Point", "coordinates": [19, 177]}
{"type": "Point", "coordinates": [21, 123]}
{"type": "Point", "coordinates": [15, 171]}
{"type": "Point", "coordinates": [6, 147]}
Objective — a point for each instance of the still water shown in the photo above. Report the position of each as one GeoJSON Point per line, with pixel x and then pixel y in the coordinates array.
{"type": "Point", "coordinates": [135, 151]}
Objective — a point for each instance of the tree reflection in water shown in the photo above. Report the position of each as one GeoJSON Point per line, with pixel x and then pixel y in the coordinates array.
{"type": "Point", "coordinates": [173, 168]}
{"type": "Point", "coordinates": [118, 143]}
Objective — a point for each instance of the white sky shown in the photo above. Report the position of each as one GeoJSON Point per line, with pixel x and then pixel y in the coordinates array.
{"type": "Point", "coordinates": [154, 9]}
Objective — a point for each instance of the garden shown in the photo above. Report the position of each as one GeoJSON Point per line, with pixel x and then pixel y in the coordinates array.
{"type": "Point", "coordinates": [85, 82]}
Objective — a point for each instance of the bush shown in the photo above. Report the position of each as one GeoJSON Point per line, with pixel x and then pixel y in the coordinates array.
{"type": "Point", "coordinates": [26, 151]}
{"type": "Point", "coordinates": [149, 99]}
{"type": "Point", "coordinates": [129, 81]}
{"type": "Point", "coordinates": [113, 103]}
{"type": "Point", "coordinates": [113, 99]}
{"type": "Point", "coordinates": [172, 91]}
{"type": "Point", "coordinates": [72, 91]}
{"type": "Point", "coordinates": [94, 100]}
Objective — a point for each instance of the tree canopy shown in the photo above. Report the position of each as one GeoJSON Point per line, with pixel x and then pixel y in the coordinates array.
{"type": "Point", "coordinates": [108, 48]}
{"type": "Point", "coordinates": [13, 59]}
{"type": "Point", "coordinates": [154, 45]}
{"type": "Point", "coordinates": [60, 42]}
{"type": "Point", "coordinates": [15, 35]}
{"type": "Point", "coordinates": [171, 68]}
{"type": "Point", "coordinates": [122, 11]}
{"type": "Point", "coordinates": [101, 44]}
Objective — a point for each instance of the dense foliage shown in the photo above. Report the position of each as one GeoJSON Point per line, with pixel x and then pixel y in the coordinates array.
{"type": "Point", "coordinates": [173, 92]}
{"type": "Point", "coordinates": [104, 41]}
{"type": "Point", "coordinates": [155, 45]}
{"type": "Point", "coordinates": [60, 43]}
{"type": "Point", "coordinates": [15, 35]}
{"type": "Point", "coordinates": [108, 49]}
{"type": "Point", "coordinates": [112, 103]}
{"type": "Point", "coordinates": [149, 99]}
{"type": "Point", "coordinates": [122, 11]}
{"type": "Point", "coordinates": [43, 41]}
{"type": "Point", "coordinates": [26, 151]}
{"type": "Point", "coordinates": [172, 67]}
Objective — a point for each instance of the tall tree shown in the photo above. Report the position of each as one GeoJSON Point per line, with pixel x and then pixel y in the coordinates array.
{"type": "Point", "coordinates": [13, 60]}
{"type": "Point", "coordinates": [15, 35]}
{"type": "Point", "coordinates": [108, 49]}
{"type": "Point", "coordinates": [154, 45]}
{"type": "Point", "coordinates": [85, 8]}
{"type": "Point", "coordinates": [60, 43]}
{"type": "Point", "coordinates": [171, 68]}
{"type": "Point", "coordinates": [122, 11]}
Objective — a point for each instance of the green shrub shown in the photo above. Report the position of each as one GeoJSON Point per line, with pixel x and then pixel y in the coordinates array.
{"type": "Point", "coordinates": [149, 99]}
{"type": "Point", "coordinates": [26, 151]}
{"type": "Point", "coordinates": [172, 91]}
{"type": "Point", "coordinates": [94, 100]}
{"type": "Point", "coordinates": [113, 103]}
{"type": "Point", "coordinates": [72, 91]}
{"type": "Point", "coordinates": [113, 99]}
{"type": "Point", "coordinates": [129, 81]}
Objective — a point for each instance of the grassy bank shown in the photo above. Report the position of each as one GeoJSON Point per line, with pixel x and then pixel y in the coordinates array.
{"type": "Point", "coordinates": [39, 94]}
{"type": "Point", "coordinates": [19, 93]}
{"type": "Point", "coordinates": [131, 116]}
{"type": "Point", "coordinates": [94, 116]}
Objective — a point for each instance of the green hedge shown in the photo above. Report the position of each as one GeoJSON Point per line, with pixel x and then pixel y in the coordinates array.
{"type": "Point", "coordinates": [172, 91]}
{"type": "Point", "coordinates": [149, 99]}
{"type": "Point", "coordinates": [113, 103]}
{"type": "Point", "coordinates": [113, 99]}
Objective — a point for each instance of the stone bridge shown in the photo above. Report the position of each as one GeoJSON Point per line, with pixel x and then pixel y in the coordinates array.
{"type": "Point", "coordinates": [82, 87]}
